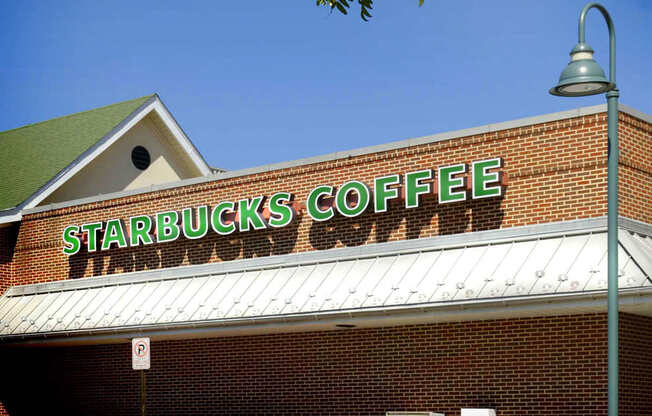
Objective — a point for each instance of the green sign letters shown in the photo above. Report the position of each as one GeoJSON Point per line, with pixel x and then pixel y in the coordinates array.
{"type": "Point", "coordinates": [322, 203]}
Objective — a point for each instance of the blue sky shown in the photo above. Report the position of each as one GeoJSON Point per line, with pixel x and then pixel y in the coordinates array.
{"type": "Point", "coordinates": [257, 82]}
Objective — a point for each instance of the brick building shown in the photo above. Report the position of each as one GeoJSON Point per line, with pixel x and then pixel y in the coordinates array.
{"type": "Point", "coordinates": [461, 270]}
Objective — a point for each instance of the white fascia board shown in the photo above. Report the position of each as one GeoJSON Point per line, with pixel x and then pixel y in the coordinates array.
{"type": "Point", "coordinates": [10, 216]}
{"type": "Point", "coordinates": [153, 104]}
{"type": "Point", "coordinates": [182, 138]}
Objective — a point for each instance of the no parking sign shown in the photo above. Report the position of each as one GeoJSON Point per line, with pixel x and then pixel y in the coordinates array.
{"type": "Point", "coordinates": [140, 353]}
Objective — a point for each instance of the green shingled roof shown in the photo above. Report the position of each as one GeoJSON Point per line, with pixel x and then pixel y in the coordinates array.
{"type": "Point", "coordinates": [32, 155]}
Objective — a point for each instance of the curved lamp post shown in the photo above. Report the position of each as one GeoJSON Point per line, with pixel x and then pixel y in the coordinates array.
{"type": "Point", "coordinates": [583, 76]}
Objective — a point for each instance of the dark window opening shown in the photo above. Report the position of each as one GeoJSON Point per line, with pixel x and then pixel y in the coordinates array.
{"type": "Point", "coordinates": [140, 157]}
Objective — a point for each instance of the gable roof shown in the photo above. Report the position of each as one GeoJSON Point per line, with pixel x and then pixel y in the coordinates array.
{"type": "Point", "coordinates": [37, 159]}
{"type": "Point", "coordinates": [32, 155]}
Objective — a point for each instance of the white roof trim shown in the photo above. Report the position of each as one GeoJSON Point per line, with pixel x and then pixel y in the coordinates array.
{"type": "Point", "coordinates": [630, 301]}
{"type": "Point", "coordinates": [10, 215]}
{"type": "Point", "coordinates": [181, 137]}
{"type": "Point", "coordinates": [523, 122]}
{"type": "Point", "coordinates": [152, 104]}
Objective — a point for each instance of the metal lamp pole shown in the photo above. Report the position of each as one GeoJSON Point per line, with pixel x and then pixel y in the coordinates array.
{"type": "Point", "coordinates": [583, 76]}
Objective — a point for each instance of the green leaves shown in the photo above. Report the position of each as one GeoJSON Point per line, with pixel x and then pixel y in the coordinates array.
{"type": "Point", "coordinates": [343, 5]}
{"type": "Point", "coordinates": [365, 6]}
{"type": "Point", "coordinates": [340, 6]}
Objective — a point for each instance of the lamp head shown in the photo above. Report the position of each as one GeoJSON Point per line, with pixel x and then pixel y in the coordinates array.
{"type": "Point", "coordinates": [582, 76]}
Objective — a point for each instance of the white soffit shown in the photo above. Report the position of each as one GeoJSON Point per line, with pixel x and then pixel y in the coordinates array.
{"type": "Point", "coordinates": [388, 278]}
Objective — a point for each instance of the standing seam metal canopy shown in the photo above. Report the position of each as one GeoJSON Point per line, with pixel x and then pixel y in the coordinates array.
{"type": "Point", "coordinates": [502, 264]}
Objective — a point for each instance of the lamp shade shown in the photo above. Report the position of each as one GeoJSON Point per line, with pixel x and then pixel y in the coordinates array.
{"type": "Point", "coordinates": [582, 76]}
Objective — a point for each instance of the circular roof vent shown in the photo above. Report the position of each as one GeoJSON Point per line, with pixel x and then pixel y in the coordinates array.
{"type": "Point", "coordinates": [140, 157]}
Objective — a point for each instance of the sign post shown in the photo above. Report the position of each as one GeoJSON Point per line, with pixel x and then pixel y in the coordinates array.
{"type": "Point", "coordinates": [143, 395]}
{"type": "Point", "coordinates": [140, 361]}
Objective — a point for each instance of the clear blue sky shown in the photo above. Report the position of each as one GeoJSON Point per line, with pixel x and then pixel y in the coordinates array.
{"type": "Point", "coordinates": [257, 82]}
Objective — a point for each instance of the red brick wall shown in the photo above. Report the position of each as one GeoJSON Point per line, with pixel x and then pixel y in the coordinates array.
{"type": "Point", "coordinates": [635, 171]}
{"type": "Point", "coordinates": [556, 170]}
{"type": "Point", "coordinates": [8, 236]}
{"type": "Point", "coordinates": [529, 366]}
{"type": "Point", "coordinates": [636, 365]}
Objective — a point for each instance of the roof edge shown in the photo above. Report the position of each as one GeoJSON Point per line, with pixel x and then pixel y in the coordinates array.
{"type": "Point", "coordinates": [454, 311]}
{"type": "Point", "coordinates": [488, 128]}
{"type": "Point", "coordinates": [76, 113]}
{"type": "Point", "coordinates": [183, 138]}
{"type": "Point", "coordinates": [624, 108]}
{"type": "Point", "coordinates": [10, 215]}
{"type": "Point", "coordinates": [636, 226]}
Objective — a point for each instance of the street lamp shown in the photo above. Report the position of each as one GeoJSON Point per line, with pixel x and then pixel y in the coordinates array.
{"type": "Point", "coordinates": [583, 76]}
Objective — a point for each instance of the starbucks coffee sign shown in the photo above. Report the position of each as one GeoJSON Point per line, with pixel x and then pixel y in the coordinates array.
{"type": "Point", "coordinates": [351, 199]}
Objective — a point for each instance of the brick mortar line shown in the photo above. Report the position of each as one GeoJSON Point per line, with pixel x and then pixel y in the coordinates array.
{"type": "Point", "coordinates": [554, 168]}
{"type": "Point", "coordinates": [628, 163]}
{"type": "Point", "coordinates": [635, 123]}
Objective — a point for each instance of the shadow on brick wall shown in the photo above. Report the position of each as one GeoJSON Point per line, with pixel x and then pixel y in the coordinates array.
{"type": "Point", "coordinates": [427, 220]}
{"type": "Point", "coordinates": [211, 248]}
{"type": "Point", "coordinates": [8, 238]}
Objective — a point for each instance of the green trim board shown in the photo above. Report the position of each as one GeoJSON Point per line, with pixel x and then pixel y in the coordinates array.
{"type": "Point", "coordinates": [32, 155]}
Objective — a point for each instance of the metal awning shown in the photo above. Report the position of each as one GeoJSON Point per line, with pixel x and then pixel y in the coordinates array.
{"type": "Point", "coordinates": [526, 263]}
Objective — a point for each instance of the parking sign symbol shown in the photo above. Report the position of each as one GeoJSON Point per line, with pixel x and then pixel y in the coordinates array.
{"type": "Point", "coordinates": [140, 358]}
